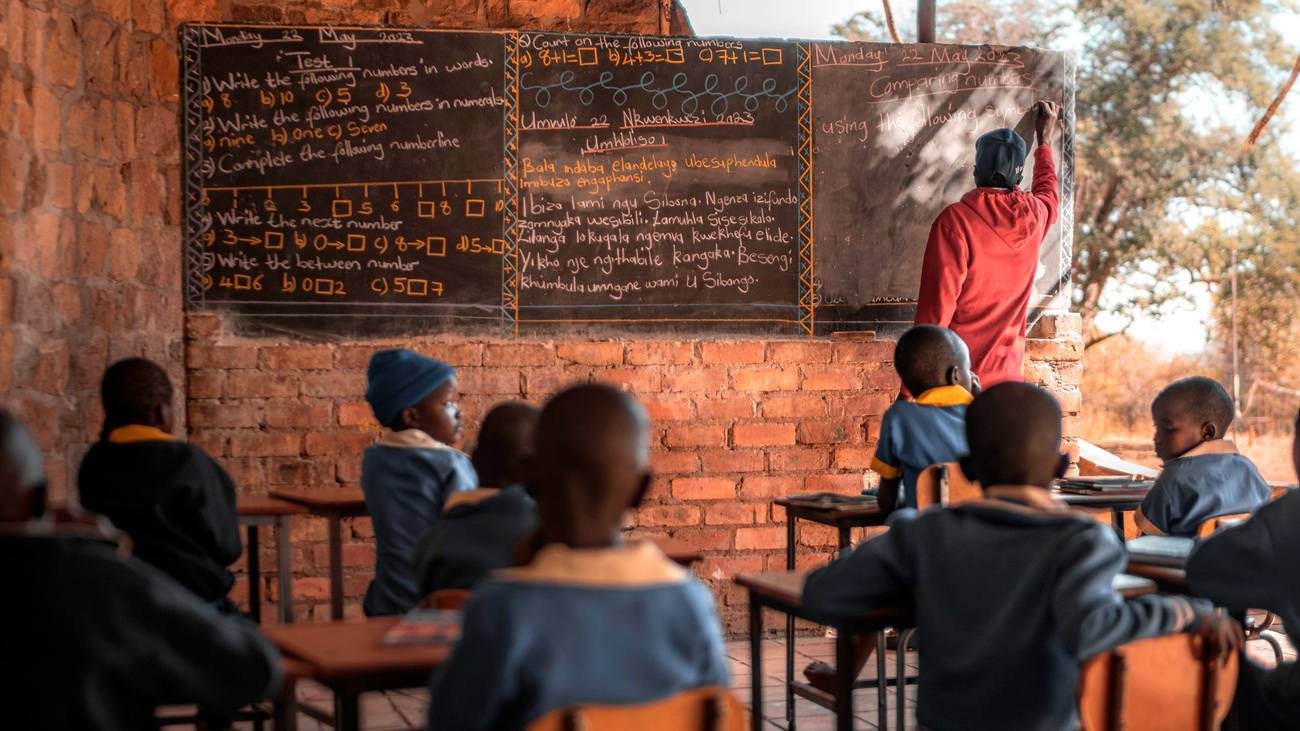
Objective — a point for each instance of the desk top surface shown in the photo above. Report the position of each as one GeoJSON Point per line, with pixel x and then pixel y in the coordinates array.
{"type": "Point", "coordinates": [328, 498]}
{"type": "Point", "coordinates": [866, 510]}
{"type": "Point", "coordinates": [267, 505]}
{"type": "Point", "coordinates": [351, 649]}
{"type": "Point", "coordinates": [1165, 575]}
{"type": "Point", "coordinates": [1108, 499]}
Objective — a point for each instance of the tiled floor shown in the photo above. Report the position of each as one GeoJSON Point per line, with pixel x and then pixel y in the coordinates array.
{"type": "Point", "coordinates": [405, 710]}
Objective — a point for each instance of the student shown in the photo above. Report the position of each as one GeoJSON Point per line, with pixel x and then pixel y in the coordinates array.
{"type": "Point", "coordinates": [934, 364]}
{"type": "Point", "coordinates": [1012, 592]}
{"type": "Point", "coordinates": [590, 619]}
{"type": "Point", "coordinates": [982, 254]}
{"type": "Point", "coordinates": [478, 530]}
{"type": "Point", "coordinates": [409, 474]}
{"type": "Point", "coordinates": [176, 502]}
{"type": "Point", "coordinates": [1203, 476]}
{"type": "Point", "coordinates": [96, 639]}
{"type": "Point", "coordinates": [1255, 564]}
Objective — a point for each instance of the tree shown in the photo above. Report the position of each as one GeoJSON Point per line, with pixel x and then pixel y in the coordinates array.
{"type": "Point", "coordinates": [1166, 93]}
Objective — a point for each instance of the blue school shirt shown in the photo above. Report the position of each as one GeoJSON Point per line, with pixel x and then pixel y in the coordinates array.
{"type": "Point", "coordinates": [406, 478]}
{"type": "Point", "coordinates": [475, 535]}
{"type": "Point", "coordinates": [1210, 480]}
{"type": "Point", "coordinates": [611, 626]}
{"type": "Point", "coordinates": [1255, 565]}
{"type": "Point", "coordinates": [917, 434]}
{"type": "Point", "coordinates": [1011, 594]}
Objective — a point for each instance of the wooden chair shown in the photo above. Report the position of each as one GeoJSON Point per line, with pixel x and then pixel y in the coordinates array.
{"type": "Point", "coordinates": [945, 484]}
{"type": "Point", "coordinates": [445, 599]}
{"type": "Point", "coordinates": [1253, 625]}
{"type": "Point", "coordinates": [1159, 683]}
{"type": "Point", "coordinates": [712, 708]}
{"type": "Point", "coordinates": [1207, 528]}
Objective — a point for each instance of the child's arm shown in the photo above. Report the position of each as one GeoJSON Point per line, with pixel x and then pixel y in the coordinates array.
{"type": "Point", "coordinates": [876, 573]}
{"type": "Point", "coordinates": [1155, 515]}
{"type": "Point", "coordinates": [218, 510]}
{"type": "Point", "coordinates": [888, 495]}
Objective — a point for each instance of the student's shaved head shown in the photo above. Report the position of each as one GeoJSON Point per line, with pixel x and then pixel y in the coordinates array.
{"type": "Point", "coordinates": [504, 441]}
{"type": "Point", "coordinates": [22, 471]}
{"type": "Point", "coordinates": [1203, 399]}
{"type": "Point", "coordinates": [1013, 431]}
{"type": "Point", "coordinates": [591, 463]}
{"type": "Point", "coordinates": [133, 390]}
{"type": "Point", "coordinates": [926, 354]}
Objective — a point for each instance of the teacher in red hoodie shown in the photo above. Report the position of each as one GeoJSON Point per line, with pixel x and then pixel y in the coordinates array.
{"type": "Point", "coordinates": [982, 254]}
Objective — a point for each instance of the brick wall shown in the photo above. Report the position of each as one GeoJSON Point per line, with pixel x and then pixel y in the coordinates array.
{"type": "Point", "coordinates": [736, 423]}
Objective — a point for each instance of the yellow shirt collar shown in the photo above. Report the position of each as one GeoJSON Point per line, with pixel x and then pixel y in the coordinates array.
{"type": "Point", "coordinates": [132, 433]}
{"type": "Point", "coordinates": [953, 395]}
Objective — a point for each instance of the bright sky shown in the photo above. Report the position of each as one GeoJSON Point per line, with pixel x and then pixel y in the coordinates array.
{"type": "Point", "coordinates": [1178, 330]}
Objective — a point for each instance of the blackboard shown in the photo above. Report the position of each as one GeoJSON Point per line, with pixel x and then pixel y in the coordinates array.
{"type": "Point", "coordinates": [548, 182]}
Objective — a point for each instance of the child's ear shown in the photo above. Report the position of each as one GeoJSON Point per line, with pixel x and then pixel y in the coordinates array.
{"type": "Point", "coordinates": [1062, 464]}
{"type": "Point", "coordinates": [954, 376]}
{"type": "Point", "coordinates": [407, 418]}
{"type": "Point", "coordinates": [1209, 431]}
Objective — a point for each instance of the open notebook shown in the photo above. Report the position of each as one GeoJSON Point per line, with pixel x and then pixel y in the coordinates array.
{"type": "Point", "coordinates": [1168, 551]}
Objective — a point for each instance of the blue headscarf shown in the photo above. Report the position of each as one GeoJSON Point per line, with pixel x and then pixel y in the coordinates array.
{"type": "Point", "coordinates": [401, 378]}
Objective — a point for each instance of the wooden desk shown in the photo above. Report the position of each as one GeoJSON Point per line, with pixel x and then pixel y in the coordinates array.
{"type": "Point", "coordinates": [1168, 579]}
{"type": "Point", "coordinates": [334, 504]}
{"type": "Point", "coordinates": [783, 591]}
{"type": "Point", "coordinates": [1118, 502]}
{"type": "Point", "coordinates": [350, 658]}
{"type": "Point", "coordinates": [256, 510]}
{"type": "Point", "coordinates": [842, 518]}
{"type": "Point", "coordinates": [679, 552]}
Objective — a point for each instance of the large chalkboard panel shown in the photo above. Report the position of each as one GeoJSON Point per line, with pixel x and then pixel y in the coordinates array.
{"type": "Point", "coordinates": [894, 143]}
{"type": "Point", "coordinates": [658, 180]}
{"type": "Point", "coordinates": [346, 170]}
{"type": "Point", "coordinates": [547, 182]}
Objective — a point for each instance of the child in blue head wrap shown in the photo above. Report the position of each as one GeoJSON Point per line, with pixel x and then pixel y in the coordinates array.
{"type": "Point", "coordinates": [409, 473]}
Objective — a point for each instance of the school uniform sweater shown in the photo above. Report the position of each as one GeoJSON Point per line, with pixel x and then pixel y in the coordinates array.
{"type": "Point", "coordinates": [176, 503]}
{"type": "Point", "coordinates": [1255, 565]}
{"type": "Point", "coordinates": [95, 639]}
{"type": "Point", "coordinates": [979, 268]}
{"type": "Point", "coordinates": [1011, 594]}
{"type": "Point", "coordinates": [1210, 480]}
{"type": "Point", "coordinates": [620, 625]}
{"type": "Point", "coordinates": [406, 477]}
{"type": "Point", "coordinates": [475, 535]}
{"type": "Point", "coordinates": [917, 434]}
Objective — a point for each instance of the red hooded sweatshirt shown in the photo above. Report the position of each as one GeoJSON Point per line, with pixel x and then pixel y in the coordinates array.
{"type": "Point", "coordinates": [979, 269]}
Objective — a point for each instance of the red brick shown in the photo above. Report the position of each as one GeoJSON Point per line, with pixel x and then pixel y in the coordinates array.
{"type": "Point", "coordinates": [659, 515]}
{"type": "Point", "coordinates": [456, 354]}
{"type": "Point", "coordinates": [249, 473]}
{"type": "Point", "coordinates": [853, 458]}
{"type": "Point", "coordinates": [699, 380]}
{"type": "Point", "coordinates": [338, 442]}
{"type": "Point", "coordinates": [199, 355]}
{"type": "Point", "coordinates": [297, 357]}
{"type": "Point", "coordinates": [762, 435]}
{"type": "Point", "coordinates": [658, 489]}
{"type": "Point", "coordinates": [246, 443]}
{"type": "Point", "coordinates": [311, 587]}
{"type": "Point", "coordinates": [875, 351]}
{"type": "Point", "coordinates": [348, 470]}
{"type": "Point", "coordinates": [720, 569]}
{"type": "Point", "coordinates": [216, 415]}
{"type": "Point", "coordinates": [725, 407]}
{"type": "Point", "coordinates": [799, 352]}
{"type": "Point", "coordinates": [674, 462]}
{"type": "Point", "coordinates": [1071, 401]}
{"type": "Point", "coordinates": [636, 380]}
{"type": "Point", "coordinates": [496, 381]}
{"type": "Point", "coordinates": [731, 352]}
{"type": "Point", "coordinates": [864, 404]}
{"type": "Point", "coordinates": [517, 354]}
{"type": "Point", "coordinates": [294, 414]}
{"type": "Point", "coordinates": [766, 379]}
{"type": "Point", "coordinates": [696, 436]}
{"type": "Point", "coordinates": [361, 527]}
{"type": "Point", "coordinates": [668, 409]}
{"type": "Point", "coordinates": [659, 353]}
{"type": "Point", "coordinates": [300, 471]}
{"type": "Point", "coordinates": [831, 381]}
{"type": "Point", "coordinates": [849, 484]}
{"type": "Point", "coordinates": [742, 461]}
{"type": "Point", "coordinates": [759, 538]}
{"type": "Point", "coordinates": [352, 385]}
{"type": "Point", "coordinates": [883, 378]}
{"type": "Point", "coordinates": [251, 384]}
{"type": "Point", "coordinates": [354, 554]}
{"type": "Point", "coordinates": [733, 514]}
{"type": "Point", "coordinates": [760, 487]}
{"type": "Point", "coordinates": [704, 488]}
{"type": "Point", "coordinates": [816, 535]}
{"type": "Point", "coordinates": [833, 432]}
{"type": "Point", "coordinates": [357, 413]}
{"type": "Point", "coordinates": [591, 353]}
{"type": "Point", "coordinates": [797, 460]}
{"type": "Point", "coordinates": [354, 357]}
{"type": "Point", "coordinates": [1060, 349]}
{"type": "Point", "coordinates": [211, 441]}
{"type": "Point", "coordinates": [794, 407]}
{"type": "Point", "coordinates": [704, 539]}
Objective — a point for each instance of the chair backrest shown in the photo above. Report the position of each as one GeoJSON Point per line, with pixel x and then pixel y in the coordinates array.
{"type": "Point", "coordinates": [1159, 684]}
{"type": "Point", "coordinates": [945, 484]}
{"type": "Point", "coordinates": [445, 599]}
{"type": "Point", "coordinates": [711, 708]}
{"type": "Point", "coordinates": [1279, 491]}
{"type": "Point", "coordinates": [1207, 528]}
